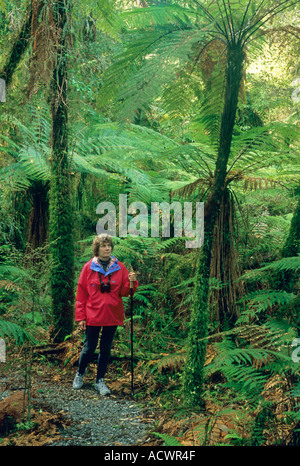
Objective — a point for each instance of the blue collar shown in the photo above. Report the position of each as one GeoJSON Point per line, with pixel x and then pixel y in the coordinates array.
{"type": "Point", "coordinates": [113, 268]}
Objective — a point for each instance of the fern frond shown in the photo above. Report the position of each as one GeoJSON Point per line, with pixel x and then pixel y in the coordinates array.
{"type": "Point", "coordinates": [286, 263]}
{"type": "Point", "coordinates": [135, 78]}
{"type": "Point", "coordinates": [260, 301]}
{"type": "Point", "coordinates": [171, 362]}
{"type": "Point", "coordinates": [34, 163]}
{"type": "Point", "coordinates": [263, 146]}
{"type": "Point", "coordinates": [12, 331]}
{"type": "Point", "coordinates": [169, 441]}
{"type": "Point", "coordinates": [158, 15]}
{"type": "Point", "coordinates": [15, 273]}
{"type": "Point", "coordinates": [105, 15]}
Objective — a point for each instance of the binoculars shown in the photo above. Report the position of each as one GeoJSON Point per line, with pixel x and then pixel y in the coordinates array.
{"type": "Point", "coordinates": [104, 287]}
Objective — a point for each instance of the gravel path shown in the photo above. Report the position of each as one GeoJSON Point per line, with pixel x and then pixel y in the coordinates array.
{"type": "Point", "coordinates": [95, 420]}
{"type": "Point", "coordinates": [90, 419]}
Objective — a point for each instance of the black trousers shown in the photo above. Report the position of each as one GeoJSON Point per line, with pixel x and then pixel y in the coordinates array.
{"type": "Point", "coordinates": [89, 346]}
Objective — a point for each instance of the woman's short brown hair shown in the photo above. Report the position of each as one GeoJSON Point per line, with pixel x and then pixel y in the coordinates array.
{"type": "Point", "coordinates": [100, 240]}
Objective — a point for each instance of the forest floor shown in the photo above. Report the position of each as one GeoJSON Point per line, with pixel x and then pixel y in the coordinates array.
{"type": "Point", "coordinates": [39, 407]}
{"type": "Point", "coordinates": [62, 416]}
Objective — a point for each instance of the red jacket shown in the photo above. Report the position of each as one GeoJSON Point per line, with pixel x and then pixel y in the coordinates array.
{"type": "Point", "coordinates": [102, 309]}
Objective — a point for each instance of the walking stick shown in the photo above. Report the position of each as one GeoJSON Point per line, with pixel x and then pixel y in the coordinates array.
{"type": "Point", "coordinates": [131, 336]}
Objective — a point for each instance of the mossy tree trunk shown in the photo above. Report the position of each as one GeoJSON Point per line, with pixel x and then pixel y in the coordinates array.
{"type": "Point", "coordinates": [193, 376]}
{"type": "Point", "coordinates": [18, 49]}
{"type": "Point", "coordinates": [61, 222]}
{"type": "Point", "coordinates": [287, 279]}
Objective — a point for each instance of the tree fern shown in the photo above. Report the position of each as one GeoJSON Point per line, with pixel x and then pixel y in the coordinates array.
{"type": "Point", "coordinates": [31, 155]}
{"type": "Point", "coordinates": [105, 13]}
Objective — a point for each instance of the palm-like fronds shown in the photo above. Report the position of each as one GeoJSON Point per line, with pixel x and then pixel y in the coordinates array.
{"type": "Point", "coordinates": [257, 354]}
{"type": "Point", "coordinates": [31, 156]}
{"type": "Point", "coordinates": [12, 331]}
{"type": "Point", "coordinates": [168, 39]}
{"type": "Point", "coordinates": [286, 263]}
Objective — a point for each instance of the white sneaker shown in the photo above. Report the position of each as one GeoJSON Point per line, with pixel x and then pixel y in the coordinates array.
{"type": "Point", "coordinates": [102, 388]}
{"type": "Point", "coordinates": [78, 381]}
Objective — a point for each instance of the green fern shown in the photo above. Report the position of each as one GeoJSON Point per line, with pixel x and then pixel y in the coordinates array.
{"type": "Point", "coordinates": [169, 440]}
{"type": "Point", "coordinates": [261, 301]}
{"type": "Point", "coordinates": [263, 417]}
{"type": "Point", "coordinates": [258, 352]}
{"type": "Point", "coordinates": [13, 331]}
{"type": "Point", "coordinates": [286, 263]}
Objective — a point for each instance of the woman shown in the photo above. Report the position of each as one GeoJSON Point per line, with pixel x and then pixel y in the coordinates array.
{"type": "Point", "coordinates": [102, 284]}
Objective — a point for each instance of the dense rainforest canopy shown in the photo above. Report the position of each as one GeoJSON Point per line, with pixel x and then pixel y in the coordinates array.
{"type": "Point", "coordinates": [168, 101]}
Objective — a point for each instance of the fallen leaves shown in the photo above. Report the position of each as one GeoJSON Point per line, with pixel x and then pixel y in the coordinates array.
{"type": "Point", "coordinates": [46, 428]}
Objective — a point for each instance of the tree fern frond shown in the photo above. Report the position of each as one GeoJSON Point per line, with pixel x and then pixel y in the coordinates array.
{"type": "Point", "coordinates": [158, 15]}
{"type": "Point", "coordinates": [286, 263]}
{"type": "Point", "coordinates": [105, 15]}
{"type": "Point", "coordinates": [34, 163]}
{"type": "Point", "coordinates": [12, 331]}
{"type": "Point", "coordinates": [261, 301]}
{"type": "Point", "coordinates": [13, 176]}
{"type": "Point", "coordinates": [82, 165]}
{"type": "Point", "coordinates": [164, 50]}
{"type": "Point", "coordinates": [262, 147]}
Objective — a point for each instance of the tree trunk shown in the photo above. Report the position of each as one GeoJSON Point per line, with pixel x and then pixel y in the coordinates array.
{"type": "Point", "coordinates": [193, 376]}
{"type": "Point", "coordinates": [38, 216]}
{"type": "Point", "coordinates": [224, 266]}
{"type": "Point", "coordinates": [18, 49]}
{"type": "Point", "coordinates": [292, 244]}
{"type": "Point", "coordinates": [61, 224]}
{"type": "Point", "coordinates": [287, 279]}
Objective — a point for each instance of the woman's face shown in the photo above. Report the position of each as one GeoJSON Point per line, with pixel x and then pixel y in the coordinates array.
{"type": "Point", "coordinates": [104, 251]}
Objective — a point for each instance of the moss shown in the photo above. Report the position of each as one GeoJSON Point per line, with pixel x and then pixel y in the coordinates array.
{"type": "Point", "coordinates": [61, 219]}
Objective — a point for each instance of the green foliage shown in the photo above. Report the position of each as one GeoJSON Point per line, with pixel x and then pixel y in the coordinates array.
{"type": "Point", "coordinates": [257, 437]}
{"type": "Point", "coordinates": [25, 300]}
{"type": "Point", "coordinates": [146, 95]}
{"type": "Point", "coordinates": [292, 244]}
{"type": "Point", "coordinates": [12, 331]}
{"type": "Point", "coordinates": [287, 263]}
{"type": "Point", "coordinates": [169, 441]}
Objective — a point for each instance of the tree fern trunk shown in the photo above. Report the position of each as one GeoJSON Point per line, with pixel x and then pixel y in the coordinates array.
{"type": "Point", "coordinates": [39, 215]}
{"type": "Point", "coordinates": [61, 224]}
{"type": "Point", "coordinates": [292, 245]}
{"type": "Point", "coordinates": [198, 327]}
{"type": "Point", "coordinates": [193, 376]}
{"type": "Point", "coordinates": [287, 279]}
